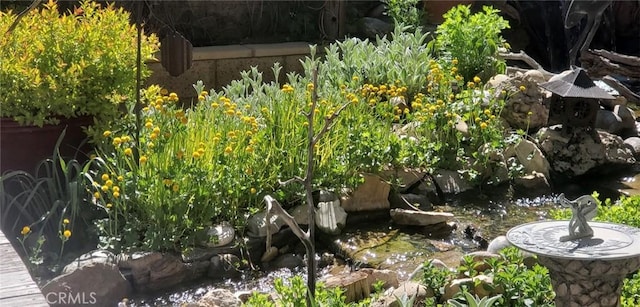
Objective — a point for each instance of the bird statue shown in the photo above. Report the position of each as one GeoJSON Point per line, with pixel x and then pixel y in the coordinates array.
{"type": "Point", "coordinates": [577, 10]}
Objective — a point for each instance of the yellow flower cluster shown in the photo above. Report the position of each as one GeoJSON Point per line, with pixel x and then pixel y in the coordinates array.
{"type": "Point", "coordinates": [118, 140]}
{"type": "Point", "coordinates": [230, 108]}
{"type": "Point", "coordinates": [391, 90]}
{"type": "Point", "coordinates": [108, 186]}
{"type": "Point", "coordinates": [25, 230]}
{"type": "Point", "coordinates": [287, 88]}
{"type": "Point", "coordinates": [199, 152]}
{"type": "Point", "coordinates": [202, 96]}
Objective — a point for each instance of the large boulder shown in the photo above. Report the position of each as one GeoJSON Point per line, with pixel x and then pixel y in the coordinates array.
{"type": "Point", "coordinates": [524, 106]}
{"type": "Point", "coordinates": [153, 271]}
{"type": "Point", "coordinates": [451, 182]}
{"type": "Point", "coordinates": [530, 156]}
{"type": "Point", "coordinates": [93, 279]}
{"type": "Point", "coordinates": [371, 195]}
{"type": "Point", "coordinates": [574, 154]}
{"type": "Point", "coordinates": [608, 121]}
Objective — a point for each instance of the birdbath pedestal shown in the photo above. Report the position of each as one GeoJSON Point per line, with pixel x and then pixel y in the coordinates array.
{"type": "Point", "coordinates": [585, 271]}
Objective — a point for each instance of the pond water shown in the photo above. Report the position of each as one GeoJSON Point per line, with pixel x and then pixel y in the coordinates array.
{"type": "Point", "coordinates": [486, 214]}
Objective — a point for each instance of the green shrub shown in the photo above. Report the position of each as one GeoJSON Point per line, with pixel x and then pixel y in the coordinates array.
{"type": "Point", "coordinates": [472, 39]}
{"type": "Point", "coordinates": [517, 284]}
{"type": "Point", "coordinates": [405, 13]}
{"type": "Point", "coordinates": [68, 65]}
{"type": "Point", "coordinates": [292, 292]}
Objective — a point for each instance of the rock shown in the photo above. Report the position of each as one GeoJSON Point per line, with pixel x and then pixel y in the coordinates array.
{"type": "Point", "coordinates": [257, 224]}
{"type": "Point", "coordinates": [289, 261]}
{"type": "Point", "coordinates": [480, 285]}
{"type": "Point", "coordinates": [497, 80]}
{"type": "Point", "coordinates": [217, 298]}
{"type": "Point", "coordinates": [156, 271]}
{"type": "Point", "coordinates": [270, 254]}
{"type": "Point", "coordinates": [498, 244]}
{"type": "Point", "coordinates": [480, 260]}
{"type": "Point", "coordinates": [300, 214]}
{"type": "Point", "coordinates": [437, 263]}
{"type": "Point", "coordinates": [354, 284]}
{"type": "Point", "coordinates": [628, 120]}
{"type": "Point", "coordinates": [483, 285]}
{"type": "Point", "coordinates": [462, 127]}
{"type": "Point", "coordinates": [535, 75]}
{"type": "Point", "coordinates": [633, 143]}
{"type": "Point", "coordinates": [330, 217]}
{"type": "Point", "coordinates": [608, 121]}
{"type": "Point", "coordinates": [372, 195]}
{"type": "Point", "coordinates": [410, 201]}
{"type": "Point", "coordinates": [197, 254]}
{"type": "Point", "coordinates": [581, 152]}
{"type": "Point", "coordinates": [224, 266]}
{"type": "Point", "coordinates": [454, 286]}
{"type": "Point", "coordinates": [92, 283]}
{"type": "Point", "coordinates": [244, 295]}
{"type": "Point", "coordinates": [530, 156]}
{"type": "Point", "coordinates": [220, 235]}
{"type": "Point", "coordinates": [439, 230]}
{"type": "Point", "coordinates": [419, 218]}
{"type": "Point", "coordinates": [451, 182]}
{"type": "Point", "coordinates": [89, 259]}
{"type": "Point", "coordinates": [524, 109]}
{"type": "Point", "coordinates": [410, 181]}
{"type": "Point", "coordinates": [410, 289]}
{"type": "Point", "coordinates": [532, 184]}
{"type": "Point", "coordinates": [388, 277]}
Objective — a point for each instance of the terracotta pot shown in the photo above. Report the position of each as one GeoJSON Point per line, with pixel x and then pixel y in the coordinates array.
{"type": "Point", "coordinates": [23, 147]}
{"type": "Point", "coordinates": [434, 9]}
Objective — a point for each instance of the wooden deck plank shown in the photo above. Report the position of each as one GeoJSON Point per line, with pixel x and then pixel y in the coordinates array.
{"type": "Point", "coordinates": [17, 287]}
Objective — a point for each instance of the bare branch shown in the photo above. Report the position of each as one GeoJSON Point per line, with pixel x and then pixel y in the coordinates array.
{"type": "Point", "coordinates": [17, 20]}
{"type": "Point", "coordinates": [521, 56]}
{"type": "Point", "coordinates": [288, 181]}
{"type": "Point", "coordinates": [273, 206]}
{"type": "Point", "coordinates": [328, 123]}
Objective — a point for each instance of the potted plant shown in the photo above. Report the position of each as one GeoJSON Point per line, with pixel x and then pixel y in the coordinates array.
{"type": "Point", "coordinates": [63, 69]}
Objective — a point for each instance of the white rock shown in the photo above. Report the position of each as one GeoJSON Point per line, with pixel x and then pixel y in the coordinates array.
{"type": "Point", "coordinates": [257, 224]}
{"type": "Point", "coordinates": [221, 234]}
{"type": "Point", "coordinates": [330, 217]}
{"type": "Point", "coordinates": [451, 182]}
{"type": "Point", "coordinates": [498, 244]}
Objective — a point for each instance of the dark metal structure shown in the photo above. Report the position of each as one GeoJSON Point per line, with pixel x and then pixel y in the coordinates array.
{"type": "Point", "coordinates": [575, 101]}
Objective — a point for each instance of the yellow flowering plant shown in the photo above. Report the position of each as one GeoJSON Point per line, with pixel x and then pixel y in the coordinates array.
{"type": "Point", "coordinates": [62, 65]}
{"type": "Point", "coordinates": [214, 161]}
{"type": "Point", "coordinates": [43, 209]}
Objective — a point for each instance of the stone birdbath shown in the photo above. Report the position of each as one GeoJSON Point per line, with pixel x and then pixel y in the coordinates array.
{"type": "Point", "coordinates": [587, 262]}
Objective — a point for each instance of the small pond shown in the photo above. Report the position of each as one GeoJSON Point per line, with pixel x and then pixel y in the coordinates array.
{"type": "Point", "coordinates": [479, 214]}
